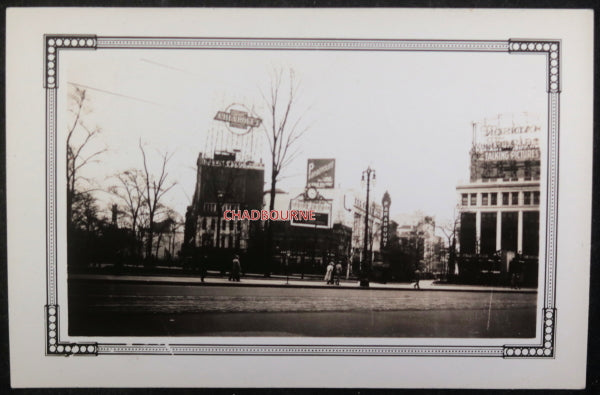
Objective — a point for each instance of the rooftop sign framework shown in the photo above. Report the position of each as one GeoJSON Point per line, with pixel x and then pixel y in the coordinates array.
{"type": "Point", "coordinates": [237, 117]}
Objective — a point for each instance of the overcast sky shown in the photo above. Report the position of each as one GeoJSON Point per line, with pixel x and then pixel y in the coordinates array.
{"type": "Point", "coordinates": [406, 114]}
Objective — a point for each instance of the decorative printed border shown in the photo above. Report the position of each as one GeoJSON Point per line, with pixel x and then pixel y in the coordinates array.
{"type": "Point", "coordinates": [54, 44]}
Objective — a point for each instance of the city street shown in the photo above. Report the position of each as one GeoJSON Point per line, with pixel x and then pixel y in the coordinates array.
{"type": "Point", "coordinates": [117, 308]}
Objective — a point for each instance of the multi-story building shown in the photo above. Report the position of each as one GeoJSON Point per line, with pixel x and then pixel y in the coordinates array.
{"type": "Point", "coordinates": [499, 207]}
{"type": "Point", "coordinates": [223, 183]}
{"type": "Point", "coordinates": [358, 229]}
{"type": "Point", "coordinates": [416, 235]}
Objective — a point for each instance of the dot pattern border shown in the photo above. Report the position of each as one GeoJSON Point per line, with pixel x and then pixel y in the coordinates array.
{"type": "Point", "coordinates": [303, 44]}
{"type": "Point", "coordinates": [56, 43]}
{"type": "Point", "coordinates": [543, 350]}
{"type": "Point", "coordinates": [551, 49]}
{"type": "Point", "coordinates": [54, 347]}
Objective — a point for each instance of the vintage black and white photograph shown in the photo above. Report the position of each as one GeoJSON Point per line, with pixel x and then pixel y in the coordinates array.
{"type": "Point", "coordinates": [185, 168]}
{"type": "Point", "coordinates": [315, 196]}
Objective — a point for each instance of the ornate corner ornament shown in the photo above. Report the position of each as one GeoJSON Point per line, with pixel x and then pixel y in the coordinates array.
{"type": "Point", "coordinates": [55, 347]}
{"type": "Point", "coordinates": [54, 44]}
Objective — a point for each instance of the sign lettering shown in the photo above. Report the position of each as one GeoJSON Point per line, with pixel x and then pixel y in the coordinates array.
{"type": "Point", "coordinates": [322, 213]}
{"type": "Point", "coordinates": [238, 118]}
{"type": "Point", "coordinates": [320, 173]}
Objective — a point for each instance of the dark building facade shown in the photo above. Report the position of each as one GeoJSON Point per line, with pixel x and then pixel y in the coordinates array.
{"type": "Point", "coordinates": [499, 207]}
{"type": "Point", "coordinates": [223, 183]}
{"type": "Point", "coordinates": [308, 250]}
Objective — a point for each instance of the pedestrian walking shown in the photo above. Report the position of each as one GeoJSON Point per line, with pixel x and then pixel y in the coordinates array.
{"type": "Point", "coordinates": [417, 279]}
{"type": "Point", "coordinates": [338, 273]}
{"type": "Point", "coordinates": [329, 273]}
{"type": "Point", "coordinates": [513, 273]}
{"type": "Point", "coordinates": [519, 269]}
{"type": "Point", "coordinates": [202, 262]}
{"type": "Point", "coordinates": [515, 269]}
{"type": "Point", "coordinates": [236, 269]}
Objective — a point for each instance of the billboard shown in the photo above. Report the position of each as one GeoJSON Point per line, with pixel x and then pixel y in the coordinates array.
{"type": "Point", "coordinates": [508, 137]}
{"type": "Point", "coordinates": [237, 116]}
{"type": "Point", "coordinates": [322, 213]}
{"type": "Point", "coordinates": [320, 173]}
{"type": "Point", "coordinates": [532, 154]}
{"type": "Point", "coordinates": [506, 131]}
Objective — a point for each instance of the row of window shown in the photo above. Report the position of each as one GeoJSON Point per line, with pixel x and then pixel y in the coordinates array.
{"type": "Point", "coordinates": [507, 198]}
{"type": "Point", "coordinates": [509, 171]}
{"type": "Point", "coordinates": [226, 241]}
{"type": "Point", "coordinates": [212, 223]}
{"type": "Point", "coordinates": [212, 207]}
{"type": "Point", "coordinates": [511, 177]}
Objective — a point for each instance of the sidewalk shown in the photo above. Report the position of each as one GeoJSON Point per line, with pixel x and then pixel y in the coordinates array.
{"type": "Point", "coordinates": [254, 280]}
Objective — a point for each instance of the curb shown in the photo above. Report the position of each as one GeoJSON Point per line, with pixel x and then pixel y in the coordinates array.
{"type": "Point", "coordinates": [309, 286]}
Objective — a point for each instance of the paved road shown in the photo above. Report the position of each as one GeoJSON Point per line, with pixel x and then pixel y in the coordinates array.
{"type": "Point", "coordinates": [107, 308]}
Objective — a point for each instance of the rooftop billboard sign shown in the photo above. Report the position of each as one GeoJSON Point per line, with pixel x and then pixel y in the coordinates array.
{"type": "Point", "coordinates": [320, 173]}
{"type": "Point", "coordinates": [508, 132]}
{"type": "Point", "coordinates": [236, 116]}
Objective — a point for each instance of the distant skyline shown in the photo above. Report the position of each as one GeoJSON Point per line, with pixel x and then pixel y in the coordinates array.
{"type": "Point", "coordinates": [406, 114]}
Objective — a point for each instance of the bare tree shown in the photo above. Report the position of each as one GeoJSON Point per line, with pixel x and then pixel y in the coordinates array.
{"type": "Point", "coordinates": [155, 189]}
{"type": "Point", "coordinates": [131, 191]}
{"type": "Point", "coordinates": [78, 138]}
{"type": "Point", "coordinates": [85, 212]}
{"type": "Point", "coordinates": [168, 228]}
{"type": "Point", "coordinates": [450, 230]}
{"type": "Point", "coordinates": [283, 128]}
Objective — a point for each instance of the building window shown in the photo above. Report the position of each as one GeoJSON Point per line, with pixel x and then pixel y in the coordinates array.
{"type": "Point", "coordinates": [536, 198]}
{"type": "Point", "coordinates": [212, 224]}
{"type": "Point", "coordinates": [230, 225]}
{"type": "Point", "coordinates": [465, 199]}
{"type": "Point", "coordinates": [207, 240]}
{"type": "Point", "coordinates": [494, 199]}
{"type": "Point", "coordinates": [527, 172]}
{"type": "Point", "coordinates": [473, 199]}
{"type": "Point", "coordinates": [484, 199]}
{"type": "Point", "coordinates": [515, 198]}
{"type": "Point", "coordinates": [239, 225]}
{"type": "Point", "coordinates": [513, 171]}
{"type": "Point", "coordinates": [203, 223]}
{"type": "Point", "coordinates": [505, 198]}
{"type": "Point", "coordinates": [223, 224]}
{"type": "Point", "coordinates": [230, 241]}
{"type": "Point", "coordinates": [526, 198]}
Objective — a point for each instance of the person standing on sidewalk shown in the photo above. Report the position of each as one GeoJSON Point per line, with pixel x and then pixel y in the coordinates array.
{"type": "Point", "coordinates": [338, 272]}
{"type": "Point", "coordinates": [329, 273]}
{"type": "Point", "coordinates": [417, 279]}
{"type": "Point", "coordinates": [236, 269]}
{"type": "Point", "coordinates": [202, 267]}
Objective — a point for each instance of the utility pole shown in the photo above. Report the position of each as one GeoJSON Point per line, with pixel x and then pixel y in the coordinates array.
{"type": "Point", "coordinates": [366, 266]}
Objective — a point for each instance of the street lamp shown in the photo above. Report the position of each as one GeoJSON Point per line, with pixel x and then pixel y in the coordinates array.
{"type": "Point", "coordinates": [220, 195]}
{"type": "Point", "coordinates": [367, 175]}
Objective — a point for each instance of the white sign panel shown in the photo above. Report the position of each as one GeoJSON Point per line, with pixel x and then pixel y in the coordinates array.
{"type": "Point", "coordinates": [321, 209]}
